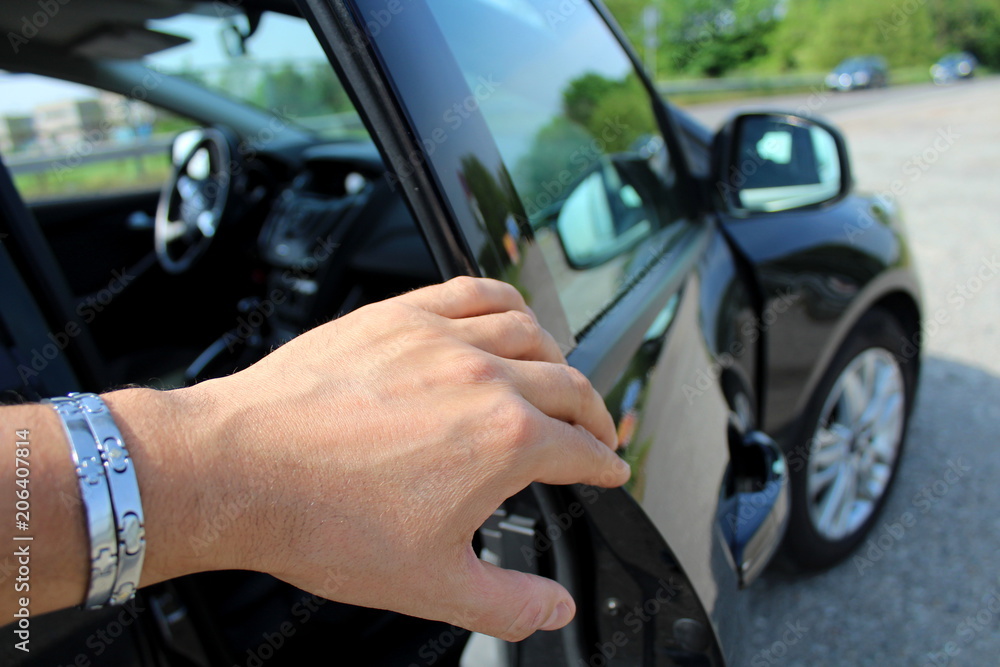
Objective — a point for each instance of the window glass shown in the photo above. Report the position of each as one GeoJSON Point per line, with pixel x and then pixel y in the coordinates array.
{"type": "Point", "coordinates": [63, 140]}
{"type": "Point", "coordinates": [281, 67]}
{"type": "Point", "coordinates": [577, 131]}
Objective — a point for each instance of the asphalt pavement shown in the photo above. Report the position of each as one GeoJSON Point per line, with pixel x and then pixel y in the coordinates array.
{"type": "Point", "coordinates": [925, 588]}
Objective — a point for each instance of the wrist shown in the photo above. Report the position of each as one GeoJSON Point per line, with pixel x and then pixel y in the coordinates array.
{"type": "Point", "coordinates": [177, 442]}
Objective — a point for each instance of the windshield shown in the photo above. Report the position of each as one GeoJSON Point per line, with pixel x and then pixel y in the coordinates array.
{"type": "Point", "coordinates": [852, 64]}
{"type": "Point", "coordinates": [280, 67]}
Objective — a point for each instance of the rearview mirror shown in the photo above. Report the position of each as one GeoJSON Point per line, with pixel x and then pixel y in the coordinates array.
{"type": "Point", "coordinates": [767, 162]}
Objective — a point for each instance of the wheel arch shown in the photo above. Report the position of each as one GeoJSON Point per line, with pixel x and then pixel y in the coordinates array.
{"type": "Point", "coordinates": [894, 291]}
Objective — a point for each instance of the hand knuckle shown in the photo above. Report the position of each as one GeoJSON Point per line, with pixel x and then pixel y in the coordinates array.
{"type": "Point", "coordinates": [477, 368]}
{"type": "Point", "coordinates": [526, 326]}
{"type": "Point", "coordinates": [467, 287]}
{"type": "Point", "coordinates": [516, 420]}
{"type": "Point", "coordinates": [579, 382]}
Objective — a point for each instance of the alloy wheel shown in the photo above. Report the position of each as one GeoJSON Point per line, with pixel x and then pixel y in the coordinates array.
{"type": "Point", "coordinates": [856, 443]}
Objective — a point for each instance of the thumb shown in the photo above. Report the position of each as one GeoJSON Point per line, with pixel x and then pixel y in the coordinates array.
{"type": "Point", "coordinates": [512, 605]}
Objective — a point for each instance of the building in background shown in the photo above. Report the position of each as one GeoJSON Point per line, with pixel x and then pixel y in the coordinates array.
{"type": "Point", "coordinates": [17, 133]}
{"type": "Point", "coordinates": [69, 122]}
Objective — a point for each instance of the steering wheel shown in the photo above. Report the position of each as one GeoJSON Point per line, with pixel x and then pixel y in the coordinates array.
{"type": "Point", "coordinates": [197, 198]}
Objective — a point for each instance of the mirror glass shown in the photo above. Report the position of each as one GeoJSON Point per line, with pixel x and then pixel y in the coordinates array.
{"type": "Point", "coordinates": [603, 216]}
{"type": "Point", "coordinates": [783, 163]}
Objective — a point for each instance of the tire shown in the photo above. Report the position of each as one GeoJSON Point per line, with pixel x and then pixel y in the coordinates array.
{"type": "Point", "coordinates": [849, 449]}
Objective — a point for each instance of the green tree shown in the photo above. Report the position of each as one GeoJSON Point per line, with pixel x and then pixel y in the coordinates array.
{"type": "Point", "coordinates": [969, 25]}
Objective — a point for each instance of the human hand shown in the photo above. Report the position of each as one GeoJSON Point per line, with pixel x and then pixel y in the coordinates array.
{"type": "Point", "coordinates": [374, 447]}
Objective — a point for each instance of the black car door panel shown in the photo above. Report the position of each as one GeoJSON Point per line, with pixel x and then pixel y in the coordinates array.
{"type": "Point", "coordinates": [446, 119]}
{"type": "Point", "coordinates": [816, 283]}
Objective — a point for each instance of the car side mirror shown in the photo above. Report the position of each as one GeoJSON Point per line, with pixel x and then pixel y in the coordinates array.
{"type": "Point", "coordinates": [767, 162]}
{"type": "Point", "coordinates": [602, 217]}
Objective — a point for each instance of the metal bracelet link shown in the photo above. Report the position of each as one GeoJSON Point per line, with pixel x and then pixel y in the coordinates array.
{"type": "Point", "coordinates": [96, 499]}
{"type": "Point", "coordinates": [125, 498]}
{"type": "Point", "coordinates": [122, 500]}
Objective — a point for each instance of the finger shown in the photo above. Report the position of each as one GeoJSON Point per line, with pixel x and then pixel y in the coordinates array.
{"type": "Point", "coordinates": [564, 393]}
{"type": "Point", "coordinates": [467, 297]}
{"type": "Point", "coordinates": [511, 605]}
{"type": "Point", "coordinates": [512, 335]}
{"type": "Point", "coordinates": [572, 455]}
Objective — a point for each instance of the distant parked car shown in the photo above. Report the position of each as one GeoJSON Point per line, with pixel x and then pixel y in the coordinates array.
{"type": "Point", "coordinates": [954, 67]}
{"type": "Point", "coordinates": [859, 72]}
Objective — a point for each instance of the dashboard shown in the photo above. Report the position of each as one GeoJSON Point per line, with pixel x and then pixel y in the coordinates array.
{"type": "Point", "coordinates": [335, 233]}
{"type": "Point", "coordinates": [336, 236]}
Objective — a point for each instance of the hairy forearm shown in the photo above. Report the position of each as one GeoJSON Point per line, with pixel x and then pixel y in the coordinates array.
{"type": "Point", "coordinates": [178, 475]}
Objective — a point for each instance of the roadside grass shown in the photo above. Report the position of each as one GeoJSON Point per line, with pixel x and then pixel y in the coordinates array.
{"type": "Point", "coordinates": [110, 176]}
{"type": "Point", "coordinates": [684, 99]}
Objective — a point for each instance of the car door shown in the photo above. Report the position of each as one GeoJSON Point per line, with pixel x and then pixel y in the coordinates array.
{"type": "Point", "coordinates": [530, 149]}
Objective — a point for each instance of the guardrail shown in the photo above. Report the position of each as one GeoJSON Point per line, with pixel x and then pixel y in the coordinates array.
{"type": "Point", "coordinates": [34, 164]}
{"type": "Point", "coordinates": [738, 84]}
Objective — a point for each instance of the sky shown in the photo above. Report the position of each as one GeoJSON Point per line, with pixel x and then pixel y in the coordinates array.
{"type": "Point", "coordinates": [279, 38]}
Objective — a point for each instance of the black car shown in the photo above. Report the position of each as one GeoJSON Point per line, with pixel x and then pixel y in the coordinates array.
{"type": "Point", "coordinates": [954, 67]}
{"type": "Point", "coordinates": [858, 73]}
{"type": "Point", "coordinates": [201, 182]}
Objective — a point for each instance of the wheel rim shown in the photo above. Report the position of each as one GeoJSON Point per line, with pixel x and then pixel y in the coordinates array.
{"type": "Point", "coordinates": [856, 443]}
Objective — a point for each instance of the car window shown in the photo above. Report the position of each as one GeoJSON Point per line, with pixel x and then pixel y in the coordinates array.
{"type": "Point", "coordinates": [576, 129]}
{"type": "Point", "coordinates": [62, 140]}
{"type": "Point", "coordinates": [280, 67]}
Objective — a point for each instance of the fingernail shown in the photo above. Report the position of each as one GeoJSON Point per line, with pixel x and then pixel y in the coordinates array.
{"type": "Point", "coordinates": [561, 615]}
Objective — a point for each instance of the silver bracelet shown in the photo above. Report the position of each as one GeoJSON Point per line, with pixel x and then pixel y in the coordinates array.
{"type": "Point", "coordinates": [121, 503]}
{"type": "Point", "coordinates": [96, 499]}
{"type": "Point", "coordinates": [125, 498]}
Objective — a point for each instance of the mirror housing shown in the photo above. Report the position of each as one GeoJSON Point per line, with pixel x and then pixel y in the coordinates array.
{"type": "Point", "coordinates": [765, 162]}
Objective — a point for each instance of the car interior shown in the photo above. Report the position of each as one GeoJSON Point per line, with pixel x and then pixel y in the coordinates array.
{"type": "Point", "coordinates": [259, 229]}
{"type": "Point", "coordinates": [308, 229]}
